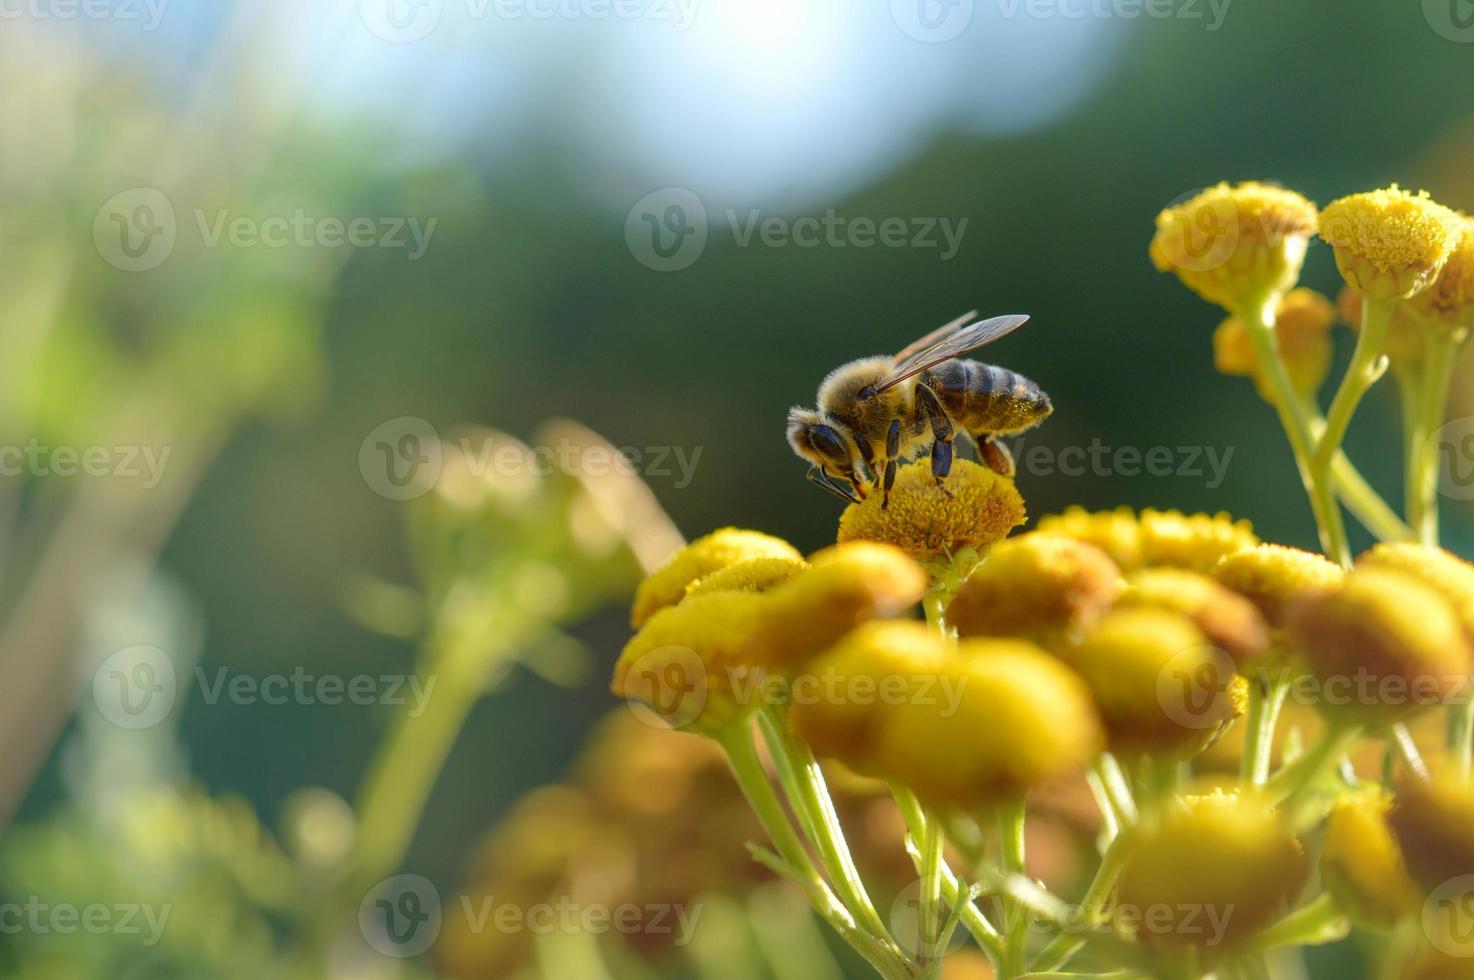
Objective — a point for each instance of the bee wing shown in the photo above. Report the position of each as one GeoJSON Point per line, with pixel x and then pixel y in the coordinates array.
{"type": "Point", "coordinates": [945, 330]}
{"type": "Point", "coordinates": [967, 339]}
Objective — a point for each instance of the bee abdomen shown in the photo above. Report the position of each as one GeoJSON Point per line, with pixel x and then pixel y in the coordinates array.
{"type": "Point", "coordinates": [987, 398]}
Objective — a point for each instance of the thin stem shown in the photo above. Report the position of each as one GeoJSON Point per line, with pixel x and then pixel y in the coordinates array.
{"type": "Point", "coordinates": [1360, 374]}
{"type": "Point", "coordinates": [1461, 735]}
{"type": "Point", "coordinates": [1407, 750]}
{"type": "Point", "coordinates": [1117, 788]}
{"type": "Point", "coordinates": [1423, 459]}
{"type": "Point", "coordinates": [1261, 722]}
{"type": "Point", "coordinates": [1064, 946]}
{"type": "Point", "coordinates": [1258, 320]}
{"type": "Point", "coordinates": [1366, 504]}
{"type": "Point", "coordinates": [1016, 921]}
{"type": "Point", "coordinates": [1292, 782]}
{"type": "Point", "coordinates": [1313, 924]}
{"type": "Point", "coordinates": [931, 889]}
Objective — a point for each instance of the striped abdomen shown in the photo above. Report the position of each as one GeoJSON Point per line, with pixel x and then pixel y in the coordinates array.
{"type": "Point", "coordinates": [985, 398]}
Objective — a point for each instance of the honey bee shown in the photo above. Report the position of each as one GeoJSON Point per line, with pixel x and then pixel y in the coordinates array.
{"type": "Point", "coordinates": [877, 410]}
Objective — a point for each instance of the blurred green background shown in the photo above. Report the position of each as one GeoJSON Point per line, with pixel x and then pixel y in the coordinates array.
{"type": "Point", "coordinates": [528, 142]}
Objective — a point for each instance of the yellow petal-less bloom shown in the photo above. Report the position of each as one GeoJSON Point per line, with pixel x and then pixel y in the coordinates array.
{"type": "Point", "coordinates": [1272, 576]}
{"type": "Point", "coordinates": [1303, 327]}
{"type": "Point", "coordinates": [687, 662]}
{"type": "Point", "coordinates": [1195, 541]}
{"type": "Point", "coordinates": [1034, 586]}
{"type": "Point", "coordinates": [1449, 303]}
{"type": "Point", "coordinates": [666, 586]}
{"type": "Point", "coordinates": [1361, 863]}
{"type": "Point", "coordinates": [1432, 820]}
{"type": "Point", "coordinates": [1020, 719]}
{"type": "Point", "coordinates": [1389, 243]}
{"type": "Point", "coordinates": [1448, 574]}
{"type": "Point", "coordinates": [1221, 867]}
{"type": "Point", "coordinates": [1237, 244]}
{"type": "Point", "coordinates": [1115, 532]}
{"type": "Point", "coordinates": [844, 727]}
{"type": "Point", "coordinates": [1384, 642]}
{"type": "Point", "coordinates": [1159, 683]}
{"type": "Point", "coordinates": [844, 586]}
{"type": "Point", "coordinates": [977, 508]}
{"type": "Point", "coordinates": [1227, 619]}
{"type": "Point", "coordinates": [751, 575]}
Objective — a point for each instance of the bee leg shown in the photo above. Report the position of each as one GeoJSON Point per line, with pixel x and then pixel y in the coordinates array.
{"type": "Point", "coordinates": [824, 480]}
{"type": "Point", "coordinates": [892, 450]}
{"type": "Point", "coordinates": [942, 433]}
{"type": "Point", "coordinates": [996, 455]}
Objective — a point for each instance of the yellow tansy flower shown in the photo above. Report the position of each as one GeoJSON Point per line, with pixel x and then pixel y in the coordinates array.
{"type": "Point", "coordinates": [1303, 327]}
{"type": "Point", "coordinates": [751, 575]}
{"type": "Point", "coordinates": [844, 586]}
{"type": "Point", "coordinates": [1361, 863]}
{"type": "Point", "coordinates": [1223, 866]}
{"type": "Point", "coordinates": [930, 523]}
{"type": "Point", "coordinates": [1447, 573]}
{"type": "Point", "coordinates": [1034, 586]}
{"type": "Point", "coordinates": [1389, 243]}
{"type": "Point", "coordinates": [1234, 245]}
{"type": "Point", "coordinates": [687, 663]}
{"type": "Point", "coordinates": [1115, 532]}
{"type": "Point", "coordinates": [1432, 820]}
{"type": "Point", "coordinates": [1383, 644]}
{"type": "Point", "coordinates": [1228, 620]}
{"type": "Point", "coordinates": [1272, 576]}
{"type": "Point", "coordinates": [1195, 541]}
{"type": "Point", "coordinates": [667, 585]}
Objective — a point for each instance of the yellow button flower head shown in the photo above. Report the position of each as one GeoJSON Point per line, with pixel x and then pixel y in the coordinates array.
{"type": "Point", "coordinates": [1228, 620]}
{"type": "Point", "coordinates": [667, 585]}
{"type": "Point", "coordinates": [1361, 863]}
{"type": "Point", "coordinates": [1035, 586]}
{"type": "Point", "coordinates": [1303, 326]}
{"type": "Point", "coordinates": [1449, 302]}
{"type": "Point", "coordinates": [1115, 532]}
{"type": "Point", "coordinates": [1272, 576]}
{"type": "Point", "coordinates": [1432, 820]}
{"type": "Point", "coordinates": [1215, 869]}
{"type": "Point", "coordinates": [686, 664]}
{"type": "Point", "coordinates": [1012, 718]}
{"type": "Point", "coordinates": [1235, 244]}
{"type": "Point", "coordinates": [844, 586]}
{"type": "Point", "coordinates": [1195, 541]}
{"type": "Point", "coordinates": [977, 508]}
{"type": "Point", "coordinates": [843, 724]}
{"type": "Point", "coordinates": [1160, 685]}
{"type": "Point", "coordinates": [1383, 642]}
{"type": "Point", "coordinates": [1449, 575]}
{"type": "Point", "coordinates": [1389, 244]}
{"type": "Point", "coordinates": [751, 575]}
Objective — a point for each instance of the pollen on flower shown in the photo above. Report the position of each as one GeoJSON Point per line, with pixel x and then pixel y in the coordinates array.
{"type": "Point", "coordinates": [1272, 576]}
{"type": "Point", "coordinates": [1228, 620]}
{"type": "Point", "coordinates": [1235, 244]}
{"type": "Point", "coordinates": [1389, 243]}
{"type": "Point", "coordinates": [1196, 541]}
{"type": "Point", "coordinates": [1034, 586]}
{"type": "Point", "coordinates": [1115, 532]}
{"type": "Point", "coordinates": [845, 585]}
{"type": "Point", "coordinates": [667, 585]}
{"type": "Point", "coordinates": [930, 523]}
{"type": "Point", "coordinates": [750, 575]}
{"type": "Point", "coordinates": [1247, 869]}
{"type": "Point", "coordinates": [1388, 626]}
{"type": "Point", "coordinates": [1302, 325]}
{"type": "Point", "coordinates": [1449, 302]}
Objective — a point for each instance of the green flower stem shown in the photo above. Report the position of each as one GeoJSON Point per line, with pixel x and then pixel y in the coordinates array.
{"type": "Point", "coordinates": [1258, 320]}
{"type": "Point", "coordinates": [1407, 750]}
{"type": "Point", "coordinates": [1261, 722]}
{"type": "Point", "coordinates": [1423, 459]}
{"type": "Point", "coordinates": [741, 748]}
{"type": "Point", "coordinates": [1117, 789]}
{"type": "Point", "coordinates": [932, 840]}
{"type": "Point", "coordinates": [1064, 946]}
{"type": "Point", "coordinates": [1364, 502]}
{"type": "Point", "coordinates": [1360, 374]}
{"type": "Point", "coordinates": [1011, 817]}
{"type": "Point", "coordinates": [808, 795]}
{"type": "Point", "coordinates": [1291, 783]}
{"type": "Point", "coordinates": [1461, 735]}
{"type": "Point", "coordinates": [1314, 924]}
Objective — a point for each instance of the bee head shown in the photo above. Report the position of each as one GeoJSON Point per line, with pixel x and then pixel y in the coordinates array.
{"type": "Point", "coordinates": [825, 443]}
